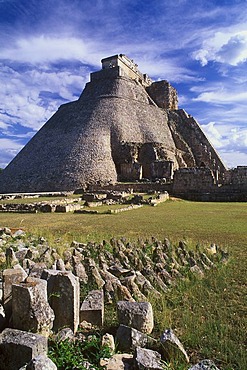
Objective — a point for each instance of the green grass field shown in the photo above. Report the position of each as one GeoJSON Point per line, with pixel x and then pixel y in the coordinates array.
{"type": "Point", "coordinates": [209, 315]}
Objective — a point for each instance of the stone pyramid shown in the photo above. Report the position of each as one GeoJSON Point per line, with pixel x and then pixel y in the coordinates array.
{"type": "Point", "coordinates": [124, 127]}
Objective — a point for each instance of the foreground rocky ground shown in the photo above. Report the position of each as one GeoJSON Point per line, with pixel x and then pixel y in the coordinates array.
{"type": "Point", "coordinates": [46, 289]}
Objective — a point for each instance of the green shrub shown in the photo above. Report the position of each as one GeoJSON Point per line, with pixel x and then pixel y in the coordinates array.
{"type": "Point", "coordinates": [68, 355]}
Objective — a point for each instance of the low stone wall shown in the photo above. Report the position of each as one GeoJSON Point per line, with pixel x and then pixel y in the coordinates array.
{"type": "Point", "coordinates": [45, 207]}
{"type": "Point", "coordinates": [214, 197]}
{"type": "Point", "coordinates": [141, 187]}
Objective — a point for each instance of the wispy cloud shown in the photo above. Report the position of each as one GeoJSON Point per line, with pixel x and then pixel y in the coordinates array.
{"type": "Point", "coordinates": [232, 140]}
{"type": "Point", "coordinates": [46, 49]}
{"type": "Point", "coordinates": [9, 148]}
{"type": "Point", "coordinates": [23, 99]}
{"type": "Point", "coordinates": [222, 96]}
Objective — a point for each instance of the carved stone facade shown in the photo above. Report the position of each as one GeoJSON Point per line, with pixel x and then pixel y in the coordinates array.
{"type": "Point", "coordinates": [128, 68]}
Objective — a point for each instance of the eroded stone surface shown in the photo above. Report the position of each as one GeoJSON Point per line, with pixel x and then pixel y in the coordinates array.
{"type": "Point", "coordinates": [121, 361]}
{"type": "Point", "coordinates": [30, 308]}
{"type": "Point", "coordinates": [92, 308]}
{"type": "Point", "coordinates": [204, 365]}
{"type": "Point", "coordinates": [147, 359]}
{"type": "Point", "coordinates": [129, 338]}
{"type": "Point", "coordinates": [138, 315]}
{"type": "Point", "coordinates": [10, 277]}
{"type": "Point", "coordinates": [64, 298]}
{"type": "Point", "coordinates": [18, 348]}
{"type": "Point", "coordinates": [172, 345]}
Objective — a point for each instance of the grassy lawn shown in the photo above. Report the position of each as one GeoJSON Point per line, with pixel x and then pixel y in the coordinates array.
{"type": "Point", "coordinates": [224, 223]}
{"type": "Point", "coordinates": [209, 314]}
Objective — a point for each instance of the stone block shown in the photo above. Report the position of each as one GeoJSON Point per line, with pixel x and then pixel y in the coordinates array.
{"type": "Point", "coordinates": [79, 269]}
{"type": "Point", "coordinates": [64, 298]}
{"type": "Point", "coordinates": [138, 315]}
{"type": "Point", "coordinates": [120, 361]}
{"type": "Point", "coordinates": [92, 308]}
{"type": "Point", "coordinates": [204, 365]}
{"type": "Point", "coordinates": [171, 345]}
{"type": "Point", "coordinates": [63, 208]}
{"type": "Point", "coordinates": [37, 269]}
{"type": "Point", "coordinates": [18, 348]}
{"type": "Point", "coordinates": [129, 338]}
{"type": "Point", "coordinates": [47, 208]}
{"type": "Point", "coordinates": [10, 277]}
{"type": "Point", "coordinates": [93, 274]}
{"type": "Point", "coordinates": [30, 308]}
{"type": "Point", "coordinates": [146, 359]}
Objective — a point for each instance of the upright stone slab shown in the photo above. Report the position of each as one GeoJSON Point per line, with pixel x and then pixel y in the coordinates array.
{"type": "Point", "coordinates": [18, 348]}
{"type": "Point", "coordinates": [64, 298]}
{"type": "Point", "coordinates": [30, 308]}
{"type": "Point", "coordinates": [10, 277]}
{"type": "Point", "coordinates": [172, 347]}
{"type": "Point", "coordinates": [92, 308]}
{"type": "Point", "coordinates": [138, 315]}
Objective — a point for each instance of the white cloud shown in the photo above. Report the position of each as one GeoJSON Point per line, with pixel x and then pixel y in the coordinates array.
{"type": "Point", "coordinates": [47, 49]}
{"type": "Point", "coordinates": [213, 134]}
{"type": "Point", "coordinates": [234, 158]}
{"type": "Point", "coordinates": [228, 139]}
{"type": "Point", "coordinates": [168, 69]}
{"type": "Point", "coordinates": [9, 149]}
{"type": "Point", "coordinates": [228, 46]}
{"type": "Point", "coordinates": [222, 96]}
{"type": "Point", "coordinates": [8, 145]}
{"type": "Point", "coordinates": [25, 96]}
{"type": "Point", "coordinates": [42, 49]}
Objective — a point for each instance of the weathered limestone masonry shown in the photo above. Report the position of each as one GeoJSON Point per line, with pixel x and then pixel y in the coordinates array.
{"type": "Point", "coordinates": [202, 184]}
{"type": "Point", "coordinates": [124, 127]}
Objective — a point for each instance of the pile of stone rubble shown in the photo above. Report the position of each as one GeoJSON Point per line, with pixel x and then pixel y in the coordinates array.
{"type": "Point", "coordinates": [77, 205]}
{"type": "Point", "coordinates": [41, 294]}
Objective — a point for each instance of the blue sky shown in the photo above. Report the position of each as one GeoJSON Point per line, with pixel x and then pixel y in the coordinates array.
{"type": "Point", "coordinates": [49, 47]}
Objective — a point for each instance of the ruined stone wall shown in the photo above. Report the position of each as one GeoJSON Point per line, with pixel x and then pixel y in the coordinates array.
{"type": "Point", "coordinates": [197, 179]}
{"type": "Point", "coordinates": [142, 187]}
{"type": "Point", "coordinates": [164, 95]}
{"type": "Point", "coordinates": [186, 129]}
{"type": "Point", "coordinates": [237, 177]}
{"type": "Point", "coordinates": [150, 160]}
